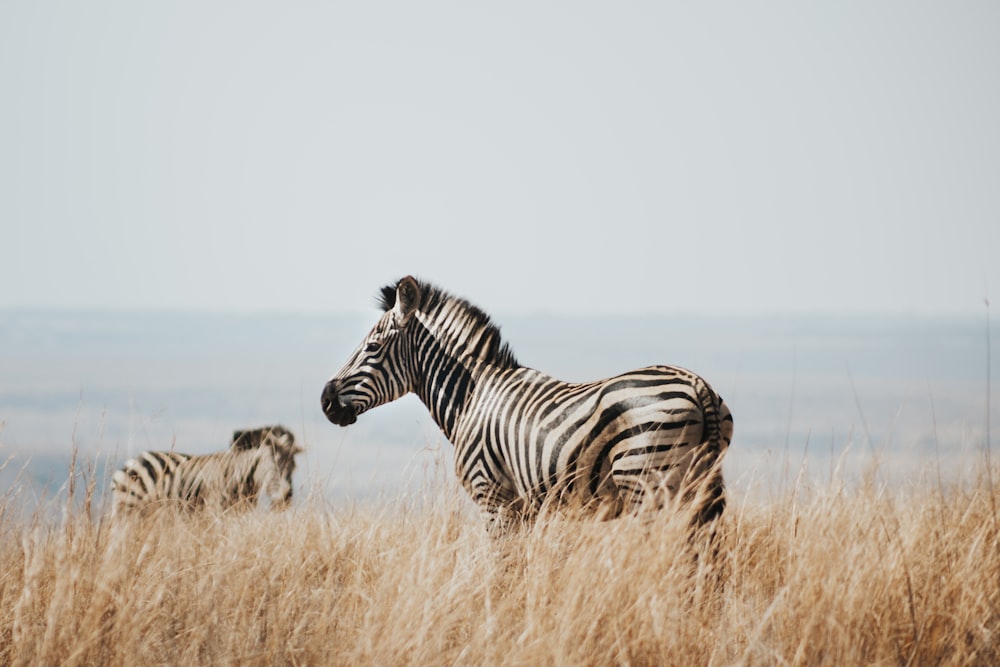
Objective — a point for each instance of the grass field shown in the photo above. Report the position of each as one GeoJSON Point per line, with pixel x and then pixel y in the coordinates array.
{"type": "Point", "coordinates": [818, 576]}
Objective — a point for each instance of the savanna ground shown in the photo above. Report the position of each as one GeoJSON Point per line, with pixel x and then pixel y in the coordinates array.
{"type": "Point", "coordinates": [859, 574]}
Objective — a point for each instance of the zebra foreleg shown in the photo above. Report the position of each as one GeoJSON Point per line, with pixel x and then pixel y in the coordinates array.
{"type": "Point", "coordinates": [506, 519]}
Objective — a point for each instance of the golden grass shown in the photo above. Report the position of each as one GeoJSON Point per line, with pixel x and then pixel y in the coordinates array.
{"type": "Point", "coordinates": [822, 577]}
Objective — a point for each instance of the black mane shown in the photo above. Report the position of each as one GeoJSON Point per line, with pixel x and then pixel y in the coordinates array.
{"type": "Point", "coordinates": [387, 297]}
{"type": "Point", "coordinates": [432, 298]}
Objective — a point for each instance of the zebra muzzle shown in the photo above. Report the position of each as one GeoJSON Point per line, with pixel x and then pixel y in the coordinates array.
{"type": "Point", "coordinates": [334, 409]}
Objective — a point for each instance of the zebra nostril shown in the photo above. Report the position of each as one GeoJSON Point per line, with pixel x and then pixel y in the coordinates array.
{"type": "Point", "coordinates": [329, 396]}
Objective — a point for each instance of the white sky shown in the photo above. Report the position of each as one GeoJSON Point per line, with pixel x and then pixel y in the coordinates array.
{"type": "Point", "coordinates": [573, 157]}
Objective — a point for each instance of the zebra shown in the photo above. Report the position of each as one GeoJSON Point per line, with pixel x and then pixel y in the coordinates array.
{"type": "Point", "coordinates": [258, 459]}
{"type": "Point", "coordinates": [623, 445]}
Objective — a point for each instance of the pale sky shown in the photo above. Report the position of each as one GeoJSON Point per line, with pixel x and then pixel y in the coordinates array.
{"type": "Point", "coordinates": [570, 157]}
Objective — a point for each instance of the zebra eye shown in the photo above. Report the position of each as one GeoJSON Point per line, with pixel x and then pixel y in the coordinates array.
{"type": "Point", "coordinates": [373, 346]}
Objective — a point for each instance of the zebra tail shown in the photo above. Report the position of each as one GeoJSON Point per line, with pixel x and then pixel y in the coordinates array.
{"type": "Point", "coordinates": [707, 488]}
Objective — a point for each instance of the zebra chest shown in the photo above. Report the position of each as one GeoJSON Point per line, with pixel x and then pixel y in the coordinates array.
{"type": "Point", "coordinates": [484, 474]}
{"type": "Point", "coordinates": [500, 463]}
{"type": "Point", "coordinates": [520, 439]}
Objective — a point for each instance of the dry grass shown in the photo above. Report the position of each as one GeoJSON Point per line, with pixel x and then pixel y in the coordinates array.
{"type": "Point", "coordinates": [822, 577]}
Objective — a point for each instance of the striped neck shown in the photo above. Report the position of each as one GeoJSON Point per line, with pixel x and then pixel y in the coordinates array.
{"type": "Point", "coordinates": [453, 344]}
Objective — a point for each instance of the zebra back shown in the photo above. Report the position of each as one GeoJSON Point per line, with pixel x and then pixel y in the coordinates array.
{"type": "Point", "coordinates": [148, 477]}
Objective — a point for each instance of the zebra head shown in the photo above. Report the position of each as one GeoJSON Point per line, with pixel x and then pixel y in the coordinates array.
{"type": "Point", "coordinates": [378, 372]}
{"type": "Point", "coordinates": [277, 444]}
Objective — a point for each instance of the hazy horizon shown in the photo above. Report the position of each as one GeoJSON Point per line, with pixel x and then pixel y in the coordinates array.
{"type": "Point", "coordinates": [813, 389]}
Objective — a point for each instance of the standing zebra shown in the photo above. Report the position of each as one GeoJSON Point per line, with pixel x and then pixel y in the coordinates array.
{"type": "Point", "coordinates": [259, 459]}
{"type": "Point", "coordinates": [522, 437]}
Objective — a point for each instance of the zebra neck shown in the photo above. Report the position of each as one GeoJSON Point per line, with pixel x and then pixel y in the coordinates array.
{"type": "Point", "coordinates": [444, 383]}
{"type": "Point", "coordinates": [452, 348]}
{"type": "Point", "coordinates": [445, 392]}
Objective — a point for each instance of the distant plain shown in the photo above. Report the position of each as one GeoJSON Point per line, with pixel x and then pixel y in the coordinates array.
{"type": "Point", "coordinates": [905, 393]}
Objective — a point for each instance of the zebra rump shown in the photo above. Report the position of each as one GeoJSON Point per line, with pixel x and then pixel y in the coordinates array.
{"type": "Point", "coordinates": [261, 459]}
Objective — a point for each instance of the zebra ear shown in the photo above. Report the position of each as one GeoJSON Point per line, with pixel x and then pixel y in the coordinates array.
{"type": "Point", "coordinates": [407, 299]}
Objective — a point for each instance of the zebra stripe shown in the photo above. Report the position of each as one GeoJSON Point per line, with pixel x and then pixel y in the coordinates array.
{"type": "Point", "coordinates": [523, 438]}
{"type": "Point", "coordinates": [258, 459]}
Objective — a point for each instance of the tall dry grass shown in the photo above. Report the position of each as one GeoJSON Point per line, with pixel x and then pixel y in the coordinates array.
{"type": "Point", "coordinates": [826, 576]}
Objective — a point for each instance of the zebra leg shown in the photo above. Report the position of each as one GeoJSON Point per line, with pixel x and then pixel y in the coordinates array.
{"type": "Point", "coordinates": [710, 498]}
{"type": "Point", "coordinates": [692, 485]}
{"type": "Point", "coordinates": [504, 520]}
{"type": "Point", "coordinates": [505, 513]}
{"type": "Point", "coordinates": [703, 489]}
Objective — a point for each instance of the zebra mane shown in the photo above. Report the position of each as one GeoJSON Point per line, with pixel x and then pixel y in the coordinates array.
{"type": "Point", "coordinates": [434, 300]}
{"type": "Point", "coordinates": [244, 440]}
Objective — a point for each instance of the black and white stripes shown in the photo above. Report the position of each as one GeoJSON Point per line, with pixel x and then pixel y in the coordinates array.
{"type": "Point", "coordinates": [523, 438]}
{"type": "Point", "coordinates": [258, 460]}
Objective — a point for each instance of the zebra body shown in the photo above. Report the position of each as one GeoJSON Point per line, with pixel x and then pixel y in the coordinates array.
{"type": "Point", "coordinates": [258, 460]}
{"type": "Point", "coordinates": [523, 438]}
